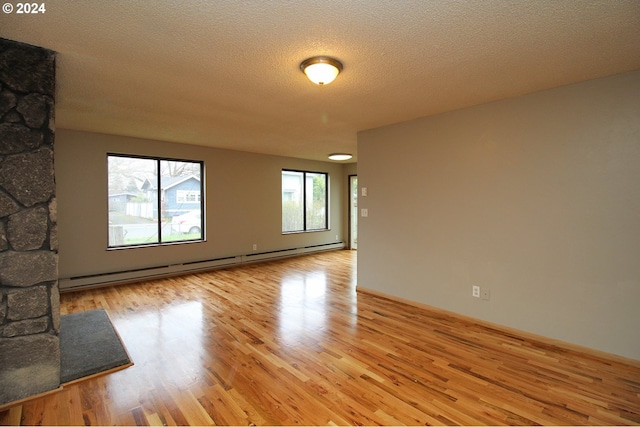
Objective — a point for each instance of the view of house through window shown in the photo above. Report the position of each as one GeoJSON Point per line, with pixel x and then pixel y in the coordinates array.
{"type": "Point", "coordinates": [304, 201]}
{"type": "Point", "coordinates": [154, 200]}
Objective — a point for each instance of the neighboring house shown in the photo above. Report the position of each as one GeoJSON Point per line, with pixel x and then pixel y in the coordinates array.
{"type": "Point", "coordinates": [179, 195]}
{"type": "Point", "coordinates": [118, 202]}
{"type": "Point", "coordinates": [291, 187]}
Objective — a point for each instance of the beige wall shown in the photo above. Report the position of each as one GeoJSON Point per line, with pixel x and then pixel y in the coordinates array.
{"type": "Point", "coordinates": [536, 198]}
{"type": "Point", "coordinates": [243, 204]}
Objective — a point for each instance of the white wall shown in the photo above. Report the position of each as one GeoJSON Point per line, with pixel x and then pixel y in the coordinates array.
{"type": "Point", "coordinates": [536, 198]}
{"type": "Point", "coordinates": [243, 204]}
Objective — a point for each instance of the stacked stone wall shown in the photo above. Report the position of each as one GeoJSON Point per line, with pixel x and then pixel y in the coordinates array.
{"type": "Point", "coordinates": [29, 295]}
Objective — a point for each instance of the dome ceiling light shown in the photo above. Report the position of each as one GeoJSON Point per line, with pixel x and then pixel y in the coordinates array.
{"type": "Point", "coordinates": [340, 156]}
{"type": "Point", "coordinates": [321, 70]}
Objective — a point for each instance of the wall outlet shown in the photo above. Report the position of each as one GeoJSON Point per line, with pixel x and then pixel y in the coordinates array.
{"type": "Point", "coordinates": [475, 291]}
{"type": "Point", "coordinates": [255, 247]}
{"type": "Point", "coordinates": [485, 294]}
{"type": "Point", "coordinates": [364, 212]}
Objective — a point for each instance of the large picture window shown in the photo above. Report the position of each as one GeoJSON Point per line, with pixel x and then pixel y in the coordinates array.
{"type": "Point", "coordinates": [305, 201]}
{"type": "Point", "coordinates": [154, 200]}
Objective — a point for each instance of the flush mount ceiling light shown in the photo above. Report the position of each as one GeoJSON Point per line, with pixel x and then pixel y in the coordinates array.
{"type": "Point", "coordinates": [321, 70]}
{"type": "Point", "coordinates": [340, 156]}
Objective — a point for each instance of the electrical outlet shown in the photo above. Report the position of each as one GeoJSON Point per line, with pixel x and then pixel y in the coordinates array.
{"type": "Point", "coordinates": [364, 212]}
{"type": "Point", "coordinates": [475, 291]}
{"type": "Point", "coordinates": [255, 247]}
{"type": "Point", "coordinates": [485, 294]}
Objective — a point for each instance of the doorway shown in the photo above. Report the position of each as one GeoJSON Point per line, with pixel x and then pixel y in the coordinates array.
{"type": "Point", "coordinates": [353, 212]}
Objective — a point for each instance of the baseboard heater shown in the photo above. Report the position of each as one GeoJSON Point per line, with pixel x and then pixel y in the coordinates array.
{"type": "Point", "coordinates": [103, 279]}
{"type": "Point", "coordinates": [283, 253]}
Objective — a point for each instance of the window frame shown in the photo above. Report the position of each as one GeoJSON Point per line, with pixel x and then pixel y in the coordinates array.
{"type": "Point", "coordinates": [159, 199]}
{"type": "Point", "coordinates": [304, 201]}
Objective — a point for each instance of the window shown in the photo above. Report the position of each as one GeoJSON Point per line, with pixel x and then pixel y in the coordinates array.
{"type": "Point", "coordinates": [154, 201]}
{"type": "Point", "coordinates": [304, 201]}
{"type": "Point", "coordinates": [188, 196]}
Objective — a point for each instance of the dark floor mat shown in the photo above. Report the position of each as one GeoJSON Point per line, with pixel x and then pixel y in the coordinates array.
{"type": "Point", "coordinates": [89, 345]}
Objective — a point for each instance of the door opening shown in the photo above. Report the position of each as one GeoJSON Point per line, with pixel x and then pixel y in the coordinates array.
{"type": "Point", "coordinates": [353, 212]}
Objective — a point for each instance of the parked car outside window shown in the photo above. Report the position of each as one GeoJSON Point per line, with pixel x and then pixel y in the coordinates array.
{"type": "Point", "coordinates": [189, 223]}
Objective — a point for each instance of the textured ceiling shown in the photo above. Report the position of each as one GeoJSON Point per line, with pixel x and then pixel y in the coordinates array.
{"type": "Point", "coordinates": [226, 73]}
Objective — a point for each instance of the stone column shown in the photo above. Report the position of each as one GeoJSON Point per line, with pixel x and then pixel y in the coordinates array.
{"type": "Point", "coordinates": [29, 295]}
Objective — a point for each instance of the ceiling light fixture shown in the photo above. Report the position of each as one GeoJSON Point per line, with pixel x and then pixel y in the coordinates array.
{"type": "Point", "coordinates": [340, 156]}
{"type": "Point", "coordinates": [321, 70]}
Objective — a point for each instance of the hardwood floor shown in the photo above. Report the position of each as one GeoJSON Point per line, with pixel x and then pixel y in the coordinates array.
{"type": "Point", "coordinates": [292, 343]}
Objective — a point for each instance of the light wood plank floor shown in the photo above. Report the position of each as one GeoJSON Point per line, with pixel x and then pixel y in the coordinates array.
{"type": "Point", "coordinates": [292, 343]}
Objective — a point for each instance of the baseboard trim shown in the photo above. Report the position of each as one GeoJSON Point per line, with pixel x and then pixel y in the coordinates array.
{"type": "Point", "coordinates": [92, 281]}
{"type": "Point", "coordinates": [529, 336]}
